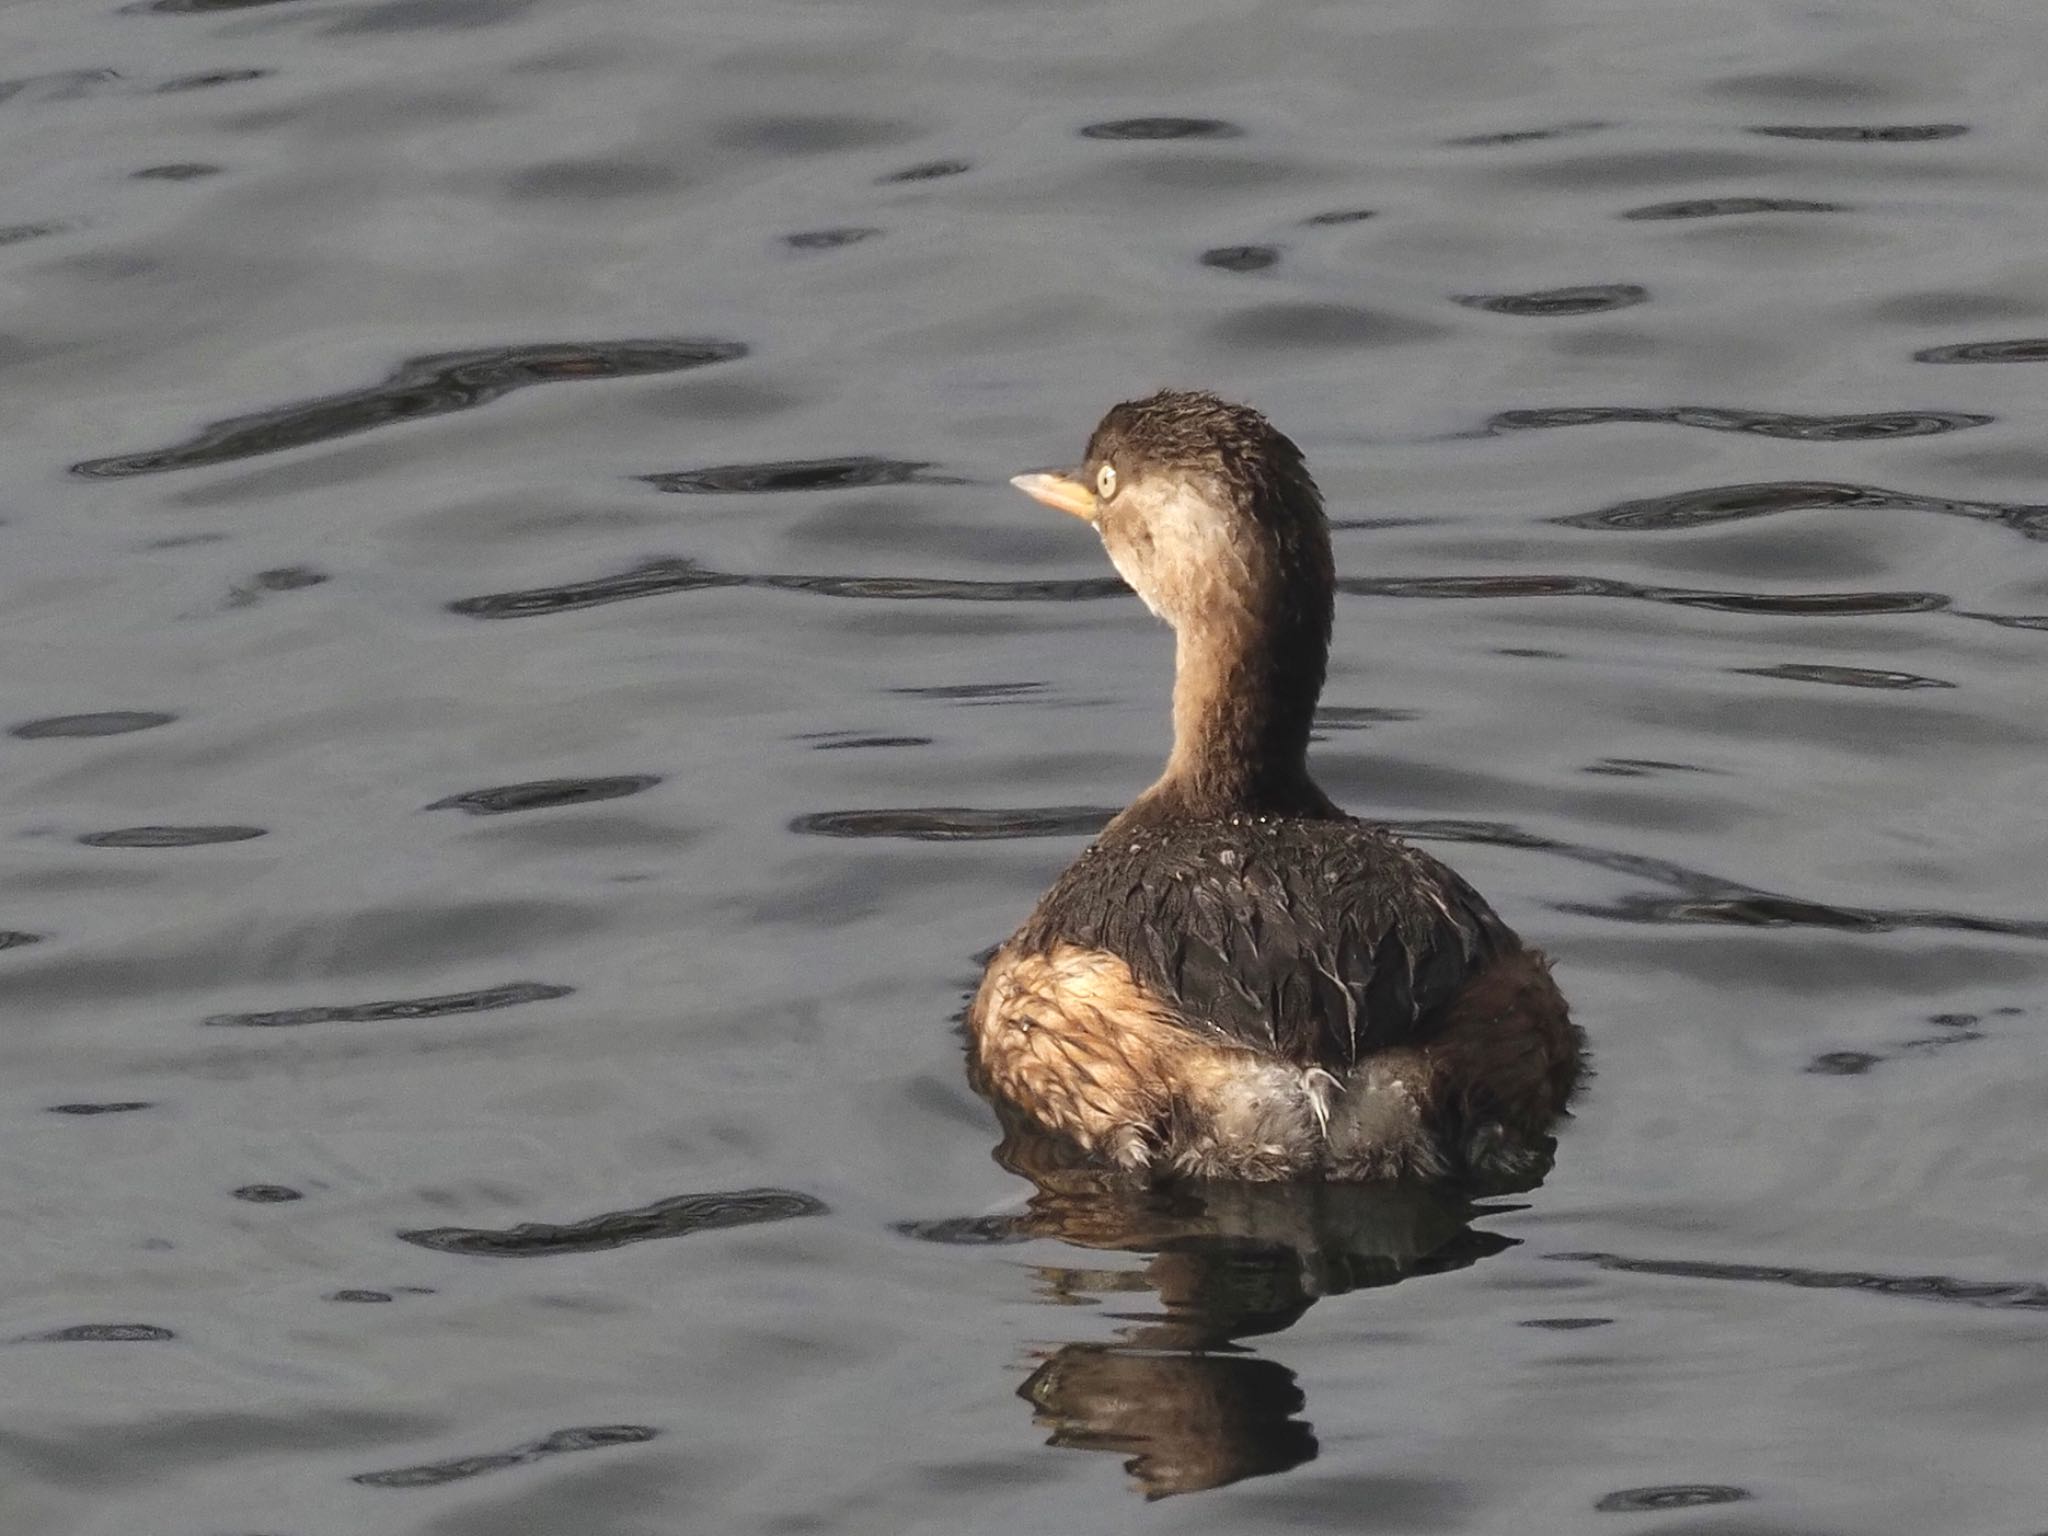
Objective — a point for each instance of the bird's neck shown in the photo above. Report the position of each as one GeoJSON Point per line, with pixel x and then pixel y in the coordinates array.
{"type": "Point", "coordinates": [1244, 700]}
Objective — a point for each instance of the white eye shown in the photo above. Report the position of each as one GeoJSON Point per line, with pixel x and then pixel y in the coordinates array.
{"type": "Point", "coordinates": [1105, 482]}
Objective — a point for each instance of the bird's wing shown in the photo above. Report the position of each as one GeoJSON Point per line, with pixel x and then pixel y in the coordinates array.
{"type": "Point", "coordinates": [1316, 940]}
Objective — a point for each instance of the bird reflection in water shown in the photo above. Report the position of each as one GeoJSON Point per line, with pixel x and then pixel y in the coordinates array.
{"type": "Point", "coordinates": [1177, 1393]}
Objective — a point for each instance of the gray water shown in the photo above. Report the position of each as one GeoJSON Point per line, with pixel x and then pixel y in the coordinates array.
{"type": "Point", "coordinates": [527, 693]}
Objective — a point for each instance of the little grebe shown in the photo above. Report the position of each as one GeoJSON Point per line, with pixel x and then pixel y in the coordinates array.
{"type": "Point", "coordinates": [1237, 979]}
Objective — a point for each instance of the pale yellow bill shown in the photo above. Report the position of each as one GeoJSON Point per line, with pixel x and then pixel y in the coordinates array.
{"type": "Point", "coordinates": [1057, 490]}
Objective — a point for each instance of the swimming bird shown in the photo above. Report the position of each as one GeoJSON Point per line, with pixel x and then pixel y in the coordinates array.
{"type": "Point", "coordinates": [1237, 979]}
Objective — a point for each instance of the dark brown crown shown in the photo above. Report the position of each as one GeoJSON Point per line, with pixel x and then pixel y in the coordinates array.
{"type": "Point", "coordinates": [1192, 432]}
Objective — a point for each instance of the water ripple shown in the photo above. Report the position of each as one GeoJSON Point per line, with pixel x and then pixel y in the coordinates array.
{"type": "Point", "coordinates": [1699, 898]}
{"type": "Point", "coordinates": [106, 722]}
{"type": "Point", "coordinates": [169, 837]}
{"type": "Point", "coordinates": [115, 1107]}
{"type": "Point", "coordinates": [1163, 128]}
{"type": "Point", "coordinates": [675, 1217]}
{"type": "Point", "coordinates": [1714, 504]}
{"type": "Point", "coordinates": [1705, 898]}
{"type": "Point", "coordinates": [61, 85]}
{"type": "Point", "coordinates": [795, 475]}
{"type": "Point", "coordinates": [582, 1438]}
{"type": "Point", "coordinates": [1956, 1029]}
{"type": "Point", "coordinates": [545, 794]}
{"type": "Point", "coordinates": [837, 743]}
{"type": "Point", "coordinates": [931, 170]}
{"type": "Point", "coordinates": [211, 78]}
{"type": "Point", "coordinates": [1841, 677]}
{"type": "Point", "coordinates": [957, 824]}
{"type": "Point", "coordinates": [267, 1194]}
{"type": "Point", "coordinates": [1859, 133]}
{"type": "Point", "coordinates": [1551, 303]}
{"type": "Point", "coordinates": [1843, 428]}
{"type": "Point", "coordinates": [661, 577]}
{"type": "Point", "coordinates": [2029, 1295]}
{"type": "Point", "coordinates": [421, 387]}
{"type": "Point", "coordinates": [101, 1333]}
{"type": "Point", "coordinates": [483, 1000]}
{"type": "Point", "coordinates": [2032, 349]}
{"type": "Point", "coordinates": [1725, 207]}
{"type": "Point", "coordinates": [1241, 258]}
{"type": "Point", "coordinates": [1786, 604]}
{"type": "Point", "coordinates": [830, 239]}
{"type": "Point", "coordinates": [1524, 135]}
{"type": "Point", "coordinates": [15, 234]}
{"type": "Point", "coordinates": [189, 7]}
{"type": "Point", "coordinates": [974, 693]}
{"type": "Point", "coordinates": [681, 575]}
{"type": "Point", "coordinates": [1670, 1496]}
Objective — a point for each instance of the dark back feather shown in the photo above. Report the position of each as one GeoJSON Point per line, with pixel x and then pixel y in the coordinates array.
{"type": "Point", "coordinates": [1316, 940]}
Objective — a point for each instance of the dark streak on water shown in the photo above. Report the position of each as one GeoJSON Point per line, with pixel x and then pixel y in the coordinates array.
{"type": "Point", "coordinates": [1669, 1496]}
{"type": "Point", "coordinates": [675, 1217]}
{"type": "Point", "coordinates": [102, 1333]}
{"type": "Point", "coordinates": [1524, 135]}
{"type": "Point", "coordinates": [1553, 303]}
{"type": "Point", "coordinates": [1714, 504]}
{"type": "Point", "coordinates": [422, 387]}
{"type": "Point", "coordinates": [1840, 676]}
{"type": "Point", "coordinates": [267, 1194]}
{"type": "Point", "coordinates": [562, 1441]}
{"type": "Point", "coordinates": [169, 837]}
{"type": "Point", "coordinates": [846, 743]}
{"type": "Point", "coordinates": [1640, 767]}
{"type": "Point", "coordinates": [830, 239]}
{"type": "Point", "coordinates": [955, 824]}
{"type": "Point", "coordinates": [2032, 349]}
{"type": "Point", "coordinates": [1359, 717]}
{"type": "Point", "coordinates": [1882, 133]}
{"type": "Point", "coordinates": [488, 999]}
{"type": "Point", "coordinates": [1809, 605]}
{"type": "Point", "coordinates": [795, 475]}
{"type": "Point", "coordinates": [1854, 428]}
{"type": "Point", "coordinates": [106, 722]}
{"type": "Point", "coordinates": [117, 1107]}
{"type": "Point", "coordinates": [1162, 128]}
{"type": "Point", "coordinates": [1956, 1029]}
{"type": "Point", "coordinates": [210, 79]}
{"type": "Point", "coordinates": [1241, 258]}
{"type": "Point", "coordinates": [975, 693]}
{"type": "Point", "coordinates": [61, 85]}
{"type": "Point", "coordinates": [931, 170]}
{"type": "Point", "coordinates": [1705, 898]}
{"type": "Point", "coordinates": [287, 578]}
{"type": "Point", "coordinates": [1702, 898]}
{"type": "Point", "coordinates": [1727, 207]}
{"type": "Point", "coordinates": [545, 794]}
{"type": "Point", "coordinates": [184, 7]}
{"type": "Point", "coordinates": [660, 578]}
{"type": "Point", "coordinates": [15, 234]}
{"type": "Point", "coordinates": [2024, 1295]}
